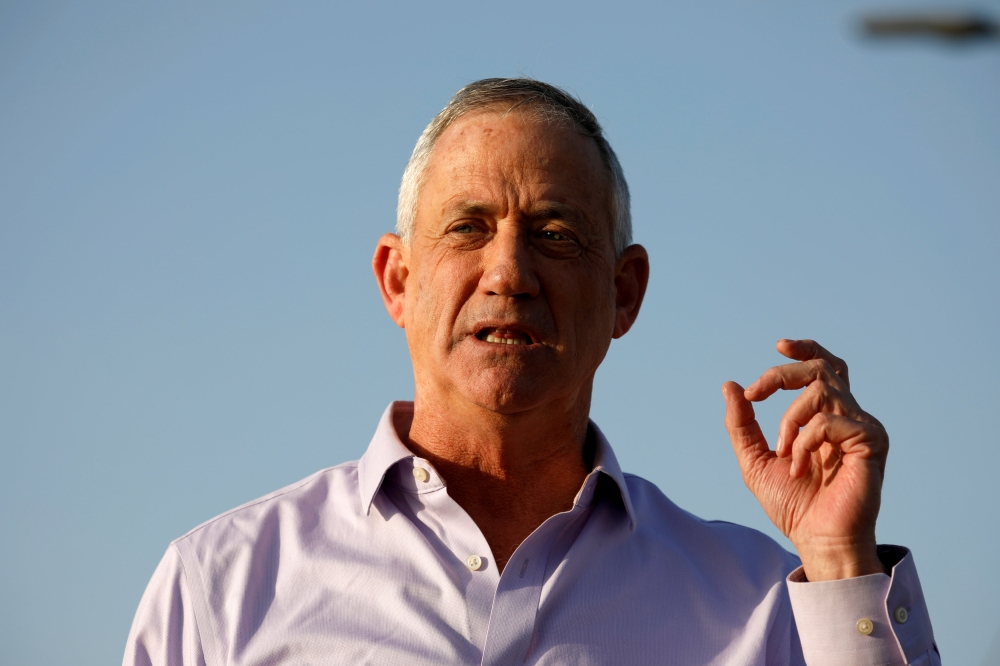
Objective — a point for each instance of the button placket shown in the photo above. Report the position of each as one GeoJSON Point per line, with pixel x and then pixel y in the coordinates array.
{"type": "Point", "coordinates": [459, 535]}
{"type": "Point", "coordinates": [465, 540]}
{"type": "Point", "coordinates": [515, 606]}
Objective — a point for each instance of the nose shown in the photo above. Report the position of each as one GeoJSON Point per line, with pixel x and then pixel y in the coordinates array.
{"type": "Point", "coordinates": [508, 269]}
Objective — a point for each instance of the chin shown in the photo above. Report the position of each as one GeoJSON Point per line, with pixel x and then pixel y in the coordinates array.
{"type": "Point", "coordinates": [504, 392]}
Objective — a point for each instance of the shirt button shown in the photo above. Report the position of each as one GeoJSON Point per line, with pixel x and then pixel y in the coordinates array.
{"type": "Point", "coordinates": [474, 562]}
{"type": "Point", "coordinates": [865, 626]}
{"type": "Point", "coordinates": [420, 474]}
{"type": "Point", "coordinates": [901, 615]}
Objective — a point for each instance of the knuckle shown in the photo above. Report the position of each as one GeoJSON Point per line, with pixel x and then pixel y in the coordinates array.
{"type": "Point", "coordinates": [819, 387]}
{"type": "Point", "coordinates": [840, 364]}
{"type": "Point", "coordinates": [815, 396]}
{"type": "Point", "coordinates": [878, 433]}
{"type": "Point", "coordinates": [823, 420]}
{"type": "Point", "coordinates": [814, 368]}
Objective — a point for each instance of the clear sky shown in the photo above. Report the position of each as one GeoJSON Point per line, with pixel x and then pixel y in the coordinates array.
{"type": "Point", "coordinates": [190, 197]}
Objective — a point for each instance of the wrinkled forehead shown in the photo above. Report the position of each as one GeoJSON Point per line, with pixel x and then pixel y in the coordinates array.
{"type": "Point", "coordinates": [483, 128]}
{"type": "Point", "coordinates": [501, 147]}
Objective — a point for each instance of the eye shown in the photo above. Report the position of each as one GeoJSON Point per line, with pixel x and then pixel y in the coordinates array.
{"type": "Point", "coordinates": [558, 242]}
{"type": "Point", "coordinates": [556, 236]}
{"type": "Point", "coordinates": [463, 229]}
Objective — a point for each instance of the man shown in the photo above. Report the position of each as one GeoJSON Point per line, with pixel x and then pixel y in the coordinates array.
{"type": "Point", "coordinates": [488, 521]}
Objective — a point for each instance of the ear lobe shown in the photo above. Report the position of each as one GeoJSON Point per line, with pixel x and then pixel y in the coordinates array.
{"type": "Point", "coordinates": [631, 279]}
{"type": "Point", "coordinates": [389, 266]}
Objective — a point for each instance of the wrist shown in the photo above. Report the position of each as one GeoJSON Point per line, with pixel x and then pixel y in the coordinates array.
{"type": "Point", "coordinates": [839, 559]}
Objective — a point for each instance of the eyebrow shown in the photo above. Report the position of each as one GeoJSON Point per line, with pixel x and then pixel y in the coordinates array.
{"type": "Point", "coordinates": [548, 210]}
{"type": "Point", "coordinates": [471, 209]}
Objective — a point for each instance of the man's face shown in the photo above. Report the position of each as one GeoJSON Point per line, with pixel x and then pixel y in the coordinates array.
{"type": "Point", "coordinates": [510, 291]}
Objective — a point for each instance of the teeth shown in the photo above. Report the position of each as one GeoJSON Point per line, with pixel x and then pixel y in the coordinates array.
{"type": "Point", "coordinates": [505, 341]}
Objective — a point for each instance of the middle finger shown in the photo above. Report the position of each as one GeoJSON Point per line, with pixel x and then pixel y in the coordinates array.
{"type": "Point", "coordinates": [818, 397]}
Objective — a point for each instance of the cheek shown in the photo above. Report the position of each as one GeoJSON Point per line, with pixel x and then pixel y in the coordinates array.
{"type": "Point", "coordinates": [597, 313]}
{"type": "Point", "coordinates": [440, 291]}
{"type": "Point", "coordinates": [602, 321]}
{"type": "Point", "coordinates": [586, 306]}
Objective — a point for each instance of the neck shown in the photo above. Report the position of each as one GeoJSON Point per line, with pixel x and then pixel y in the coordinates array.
{"type": "Point", "coordinates": [509, 471]}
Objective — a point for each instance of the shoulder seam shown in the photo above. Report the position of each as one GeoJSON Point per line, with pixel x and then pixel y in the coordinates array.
{"type": "Point", "coordinates": [266, 498]}
{"type": "Point", "coordinates": [198, 622]}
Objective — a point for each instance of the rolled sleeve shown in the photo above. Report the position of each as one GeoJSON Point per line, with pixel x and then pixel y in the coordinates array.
{"type": "Point", "coordinates": [873, 620]}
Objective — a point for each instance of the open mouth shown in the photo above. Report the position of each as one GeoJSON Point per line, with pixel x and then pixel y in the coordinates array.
{"type": "Point", "coordinates": [504, 336]}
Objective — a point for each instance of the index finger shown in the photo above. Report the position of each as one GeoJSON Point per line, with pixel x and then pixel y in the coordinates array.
{"type": "Point", "coordinates": [793, 376]}
{"type": "Point", "coordinates": [808, 350]}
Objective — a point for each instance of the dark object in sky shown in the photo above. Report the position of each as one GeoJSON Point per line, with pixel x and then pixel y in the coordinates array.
{"type": "Point", "coordinates": [951, 27]}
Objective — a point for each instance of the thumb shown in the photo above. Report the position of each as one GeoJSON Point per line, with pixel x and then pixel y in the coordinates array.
{"type": "Point", "coordinates": [744, 431]}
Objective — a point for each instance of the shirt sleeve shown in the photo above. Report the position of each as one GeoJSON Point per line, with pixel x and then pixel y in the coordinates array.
{"type": "Point", "coordinates": [868, 620]}
{"type": "Point", "coordinates": [164, 631]}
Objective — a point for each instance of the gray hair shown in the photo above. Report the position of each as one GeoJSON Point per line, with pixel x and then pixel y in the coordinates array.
{"type": "Point", "coordinates": [549, 103]}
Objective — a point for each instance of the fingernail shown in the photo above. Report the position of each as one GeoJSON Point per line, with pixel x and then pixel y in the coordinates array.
{"type": "Point", "coordinates": [777, 446]}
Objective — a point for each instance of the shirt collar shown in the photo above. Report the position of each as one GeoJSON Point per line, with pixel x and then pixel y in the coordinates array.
{"type": "Point", "coordinates": [606, 462]}
{"type": "Point", "coordinates": [387, 448]}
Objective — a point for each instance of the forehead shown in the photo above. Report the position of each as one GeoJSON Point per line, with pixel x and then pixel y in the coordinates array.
{"type": "Point", "coordinates": [495, 153]}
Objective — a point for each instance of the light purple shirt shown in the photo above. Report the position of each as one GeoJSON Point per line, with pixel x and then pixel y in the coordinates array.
{"type": "Point", "coordinates": [371, 562]}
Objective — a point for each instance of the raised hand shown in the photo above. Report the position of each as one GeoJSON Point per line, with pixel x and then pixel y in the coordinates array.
{"type": "Point", "coordinates": [822, 484]}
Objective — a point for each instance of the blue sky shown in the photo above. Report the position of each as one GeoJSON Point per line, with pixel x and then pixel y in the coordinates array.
{"type": "Point", "coordinates": [190, 197]}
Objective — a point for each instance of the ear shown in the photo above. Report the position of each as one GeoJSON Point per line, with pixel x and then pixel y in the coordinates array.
{"type": "Point", "coordinates": [631, 278]}
{"type": "Point", "coordinates": [389, 265]}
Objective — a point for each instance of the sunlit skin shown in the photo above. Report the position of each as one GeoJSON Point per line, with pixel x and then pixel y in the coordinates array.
{"type": "Point", "coordinates": [512, 240]}
{"type": "Point", "coordinates": [510, 294]}
{"type": "Point", "coordinates": [822, 484]}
